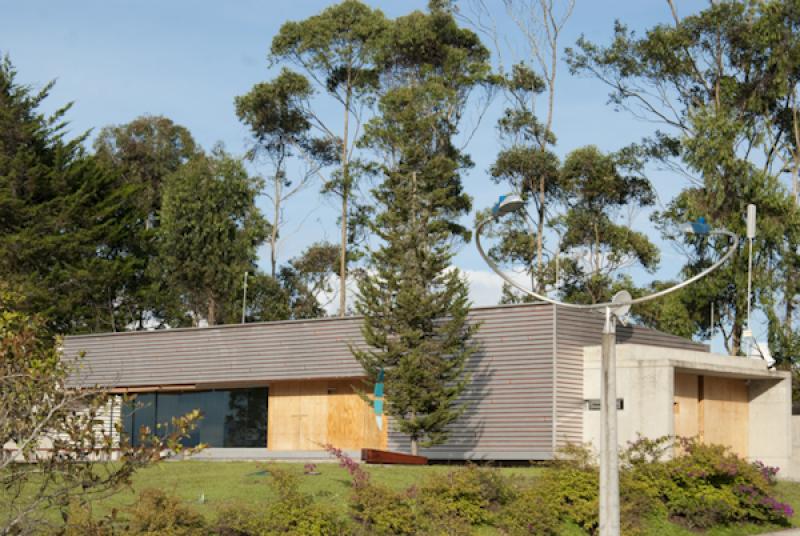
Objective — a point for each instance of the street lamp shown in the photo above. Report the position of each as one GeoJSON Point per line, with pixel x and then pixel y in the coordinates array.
{"type": "Point", "coordinates": [613, 310]}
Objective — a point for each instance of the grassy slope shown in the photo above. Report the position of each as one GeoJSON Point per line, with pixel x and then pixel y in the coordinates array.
{"type": "Point", "coordinates": [224, 483]}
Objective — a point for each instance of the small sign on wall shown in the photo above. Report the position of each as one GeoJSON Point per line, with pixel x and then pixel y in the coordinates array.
{"type": "Point", "coordinates": [593, 404]}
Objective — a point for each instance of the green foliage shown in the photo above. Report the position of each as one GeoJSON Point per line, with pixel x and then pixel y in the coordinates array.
{"type": "Point", "coordinates": [293, 512]}
{"type": "Point", "coordinates": [464, 498]}
{"type": "Point", "coordinates": [415, 306]}
{"type": "Point", "coordinates": [472, 494]}
{"type": "Point", "coordinates": [337, 49]}
{"type": "Point", "coordinates": [39, 408]}
{"type": "Point", "coordinates": [64, 219]}
{"type": "Point", "coordinates": [722, 86]}
{"type": "Point", "coordinates": [156, 513]}
{"type": "Point", "coordinates": [210, 229]}
{"type": "Point", "coordinates": [141, 154]}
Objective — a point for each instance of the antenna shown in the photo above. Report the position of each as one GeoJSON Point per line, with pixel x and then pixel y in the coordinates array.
{"type": "Point", "coordinates": [751, 234]}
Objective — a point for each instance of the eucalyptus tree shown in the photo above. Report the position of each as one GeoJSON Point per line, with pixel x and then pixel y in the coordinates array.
{"type": "Point", "coordinates": [720, 85]}
{"type": "Point", "coordinates": [529, 168]}
{"type": "Point", "coordinates": [210, 230]}
{"type": "Point", "coordinates": [602, 193]}
{"type": "Point", "coordinates": [278, 117]}
{"type": "Point", "coordinates": [141, 154]}
{"type": "Point", "coordinates": [337, 49]}
{"type": "Point", "coordinates": [414, 303]}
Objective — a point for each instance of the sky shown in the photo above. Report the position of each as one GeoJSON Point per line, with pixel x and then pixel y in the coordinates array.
{"type": "Point", "coordinates": [188, 60]}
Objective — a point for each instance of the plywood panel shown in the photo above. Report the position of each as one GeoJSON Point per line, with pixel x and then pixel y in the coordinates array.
{"type": "Point", "coordinates": [686, 405]}
{"type": "Point", "coordinates": [297, 418]}
{"type": "Point", "coordinates": [725, 412]}
{"type": "Point", "coordinates": [351, 421]}
{"type": "Point", "coordinates": [307, 415]}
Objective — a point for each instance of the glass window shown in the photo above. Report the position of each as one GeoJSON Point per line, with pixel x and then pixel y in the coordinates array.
{"type": "Point", "coordinates": [230, 417]}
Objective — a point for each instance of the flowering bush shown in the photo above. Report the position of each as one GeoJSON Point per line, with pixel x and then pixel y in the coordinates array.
{"type": "Point", "coordinates": [705, 485]}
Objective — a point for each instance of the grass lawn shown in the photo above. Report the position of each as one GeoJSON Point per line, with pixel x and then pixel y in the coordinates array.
{"type": "Point", "coordinates": [223, 483]}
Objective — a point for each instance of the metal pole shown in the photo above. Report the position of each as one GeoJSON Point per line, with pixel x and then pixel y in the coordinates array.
{"type": "Point", "coordinates": [609, 456]}
{"type": "Point", "coordinates": [749, 282]}
{"type": "Point", "coordinates": [244, 299]}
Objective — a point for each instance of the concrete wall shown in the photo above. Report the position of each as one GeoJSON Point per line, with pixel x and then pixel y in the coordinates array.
{"type": "Point", "coordinates": [645, 381]}
{"type": "Point", "coordinates": [646, 387]}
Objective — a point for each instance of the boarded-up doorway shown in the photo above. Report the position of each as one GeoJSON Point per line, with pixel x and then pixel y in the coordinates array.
{"type": "Point", "coordinates": [305, 415]}
{"type": "Point", "coordinates": [713, 409]}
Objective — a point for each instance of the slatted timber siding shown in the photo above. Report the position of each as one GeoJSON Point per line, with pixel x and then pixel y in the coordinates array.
{"type": "Point", "coordinates": [525, 397]}
{"type": "Point", "coordinates": [510, 398]}
{"type": "Point", "coordinates": [268, 351]}
{"type": "Point", "coordinates": [574, 330]}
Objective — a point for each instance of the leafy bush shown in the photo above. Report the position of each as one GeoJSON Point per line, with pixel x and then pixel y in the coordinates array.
{"type": "Point", "coordinates": [293, 512]}
{"type": "Point", "coordinates": [471, 493]}
{"type": "Point", "coordinates": [159, 514]}
{"type": "Point", "coordinates": [705, 485]}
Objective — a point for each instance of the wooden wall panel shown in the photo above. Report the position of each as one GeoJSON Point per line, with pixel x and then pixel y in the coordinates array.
{"type": "Point", "coordinates": [686, 405]}
{"type": "Point", "coordinates": [725, 409]}
{"type": "Point", "coordinates": [713, 409]}
{"type": "Point", "coordinates": [306, 415]}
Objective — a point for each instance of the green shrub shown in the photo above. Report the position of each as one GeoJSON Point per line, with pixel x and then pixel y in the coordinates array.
{"type": "Point", "coordinates": [80, 522]}
{"type": "Point", "coordinates": [533, 511]}
{"type": "Point", "coordinates": [293, 512]}
{"type": "Point", "coordinates": [159, 514]}
{"type": "Point", "coordinates": [471, 493]}
{"type": "Point", "coordinates": [703, 485]}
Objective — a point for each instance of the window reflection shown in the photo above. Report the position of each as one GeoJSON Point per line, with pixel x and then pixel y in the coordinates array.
{"type": "Point", "coordinates": [231, 417]}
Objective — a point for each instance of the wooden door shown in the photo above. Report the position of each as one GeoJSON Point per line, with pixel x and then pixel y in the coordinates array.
{"type": "Point", "coordinates": [714, 409]}
{"type": "Point", "coordinates": [725, 411]}
{"type": "Point", "coordinates": [686, 405]}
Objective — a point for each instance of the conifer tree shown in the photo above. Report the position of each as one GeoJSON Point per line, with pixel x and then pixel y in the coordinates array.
{"type": "Point", "coordinates": [415, 305]}
{"type": "Point", "coordinates": [64, 220]}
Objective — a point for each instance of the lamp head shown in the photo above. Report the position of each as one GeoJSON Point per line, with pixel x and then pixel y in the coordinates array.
{"type": "Point", "coordinates": [699, 227]}
{"type": "Point", "coordinates": [507, 204]}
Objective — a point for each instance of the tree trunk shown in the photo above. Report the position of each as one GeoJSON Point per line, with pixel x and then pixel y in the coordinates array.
{"type": "Point", "coordinates": [212, 311]}
{"type": "Point", "coordinates": [736, 338]}
{"type": "Point", "coordinates": [414, 447]}
{"type": "Point", "coordinates": [539, 237]}
{"type": "Point", "coordinates": [345, 198]}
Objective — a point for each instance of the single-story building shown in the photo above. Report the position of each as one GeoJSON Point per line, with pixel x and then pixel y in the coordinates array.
{"type": "Point", "coordinates": [288, 388]}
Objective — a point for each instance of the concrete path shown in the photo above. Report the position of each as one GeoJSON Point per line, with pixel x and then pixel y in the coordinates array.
{"type": "Point", "coordinates": [787, 532]}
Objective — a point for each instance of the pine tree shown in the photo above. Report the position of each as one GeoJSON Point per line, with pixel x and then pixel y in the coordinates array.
{"type": "Point", "coordinates": [415, 305]}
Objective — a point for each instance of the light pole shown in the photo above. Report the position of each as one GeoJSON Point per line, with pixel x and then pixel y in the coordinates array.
{"type": "Point", "coordinates": [613, 310]}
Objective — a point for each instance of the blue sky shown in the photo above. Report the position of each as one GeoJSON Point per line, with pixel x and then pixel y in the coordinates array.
{"type": "Point", "coordinates": [187, 60]}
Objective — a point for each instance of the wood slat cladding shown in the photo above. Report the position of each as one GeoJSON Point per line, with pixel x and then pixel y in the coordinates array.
{"type": "Point", "coordinates": [525, 396]}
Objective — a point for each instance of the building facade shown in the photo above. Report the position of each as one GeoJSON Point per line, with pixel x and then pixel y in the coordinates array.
{"type": "Point", "coordinates": [292, 387]}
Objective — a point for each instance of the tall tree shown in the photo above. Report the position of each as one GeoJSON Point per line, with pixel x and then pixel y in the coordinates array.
{"type": "Point", "coordinates": [210, 230]}
{"type": "Point", "coordinates": [539, 24]}
{"type": "Point", "coordinates": [337, 50]}
{"type": "Point", "coordinates": [599, 192]}
{"type": "Point", "coordinates": [278, 117]}
{"type": "Point", "coordinates": [64, 220]}
{"type": "Point", "coordinates": [415, 305]}
{"type": "Point", "coordinates": [720, 84]}
{"type": "Point", "coordinates": [142, 154]}
{"type": "Point", "coordinates": [526, 165]}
